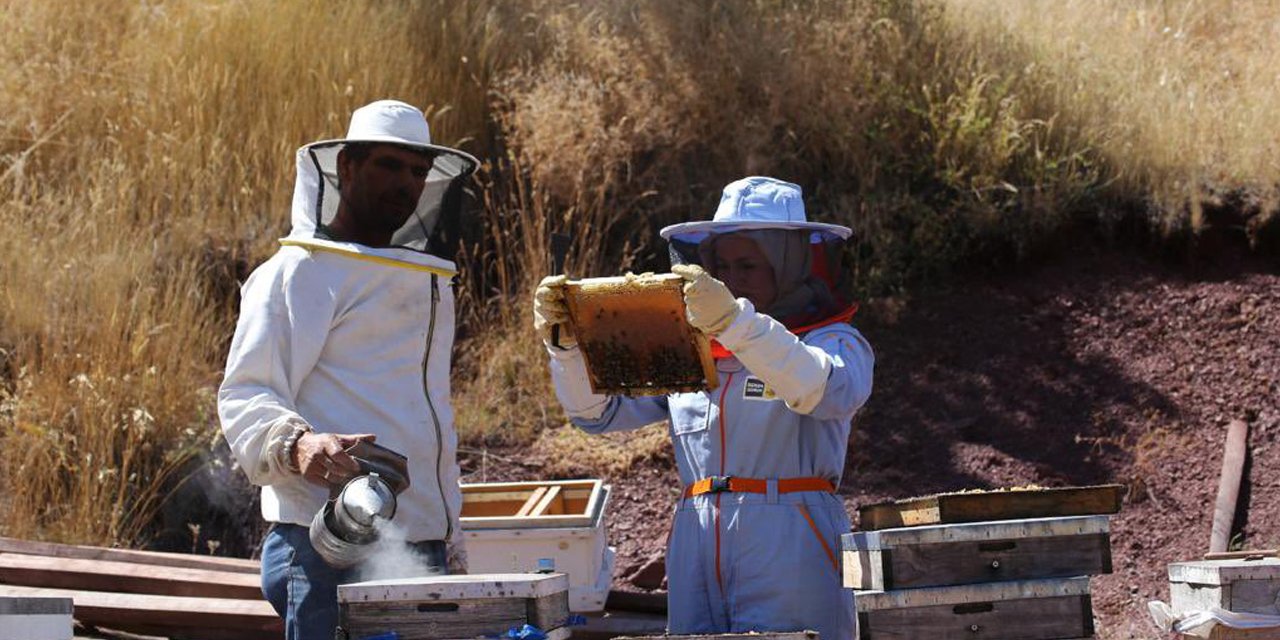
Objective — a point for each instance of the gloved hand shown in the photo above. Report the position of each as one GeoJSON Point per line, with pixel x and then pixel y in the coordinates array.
{"type": "Point", "coordinates": [549, 310]}
{"type": "Point", "coordinates": [710, 306]}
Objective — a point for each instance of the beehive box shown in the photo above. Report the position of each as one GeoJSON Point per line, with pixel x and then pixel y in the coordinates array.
{"type": "Point", "coordinates": [35, 618]}
{"type": "Point", "coordinates": [634, 336]}
{"type": "Point", "coordinates": [944, 555]}
{"type": "Point", "coordinates": [1016, 610]}
{"type": "Point", "coordinates": [510, 526]}
{"type": "Point", "coordinates": [983, 506]}
{"type": "Point", "coordinates": [457, 606]}
{"type": "Point", "coordinates": [1241, 585]}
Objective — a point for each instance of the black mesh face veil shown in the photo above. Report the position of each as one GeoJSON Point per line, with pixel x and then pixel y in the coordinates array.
{"type": "Point", "coordinates": [431, 228]}
{"type": "Point", "coordinates": [822, 287]}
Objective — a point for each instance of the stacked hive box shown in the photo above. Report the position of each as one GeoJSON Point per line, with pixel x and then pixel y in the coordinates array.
{"type": "Point", "coordinates": [456, 606]}
{"type": "Point", "coordinates": [1248, 585]}
{"type": "Point", "coordinates": [999, 565]}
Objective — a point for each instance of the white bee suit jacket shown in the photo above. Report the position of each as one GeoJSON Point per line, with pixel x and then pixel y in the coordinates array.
{"type": "Point", "coordinates": [349, 339]}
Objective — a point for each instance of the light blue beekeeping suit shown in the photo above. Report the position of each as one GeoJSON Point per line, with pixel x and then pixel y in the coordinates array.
{"type": "Point", "coordinates": [746, 561]}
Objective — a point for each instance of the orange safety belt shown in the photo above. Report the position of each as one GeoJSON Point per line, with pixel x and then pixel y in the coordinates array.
{"type": "Point", "coordinates": [729, 484]}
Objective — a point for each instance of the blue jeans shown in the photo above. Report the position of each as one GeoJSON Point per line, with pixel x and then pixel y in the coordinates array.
{"type": "Point", "coordinates": [303, 588]}
{"type": "Point", "coordinates": [300, 585]}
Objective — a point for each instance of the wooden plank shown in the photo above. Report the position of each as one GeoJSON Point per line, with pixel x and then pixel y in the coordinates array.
{"type": "Point", "coordinates": [531, 502]}
{"type": "Point", "coordinates": [971, 593]}
{"type": "Point", "coordinates": [1224, 507]}
{"type": "Point", "coordinates": [159, 558]}
{"type": "Point", "coordinates": [189, 616]}
{"type": "Point", "coordinates": [544, 503]}
{"type": "Point", "coordinates": [455, 587]}
{"type": "Point", "coordinates": [752, 635]}
{"type": "Point", "coordinates": [126, 577]}
{"type": "Point", "coordinates": [981, 506]}
{"type": "Point", "coordinates": [633, 601]}
{"type": "Point", "coordinates": [956, 563]}
{"type": "Point", "coordinates": [1029, 619]}
{"type": "Point", "coordinates": [1255, 554]}
{"type": "Point", "coordinates": [618, 624]}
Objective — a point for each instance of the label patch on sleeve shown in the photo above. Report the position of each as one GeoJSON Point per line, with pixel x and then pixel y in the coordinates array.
{"type": "Point", "coordinates": [756, 389]}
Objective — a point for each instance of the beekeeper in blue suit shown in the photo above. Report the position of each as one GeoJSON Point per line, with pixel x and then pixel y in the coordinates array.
{"type": "Point", "coordinates": [755, 540]}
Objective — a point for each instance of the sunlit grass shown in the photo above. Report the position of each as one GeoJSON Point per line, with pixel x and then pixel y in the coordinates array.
{"type": "Point", "coordinates": [146, 163]}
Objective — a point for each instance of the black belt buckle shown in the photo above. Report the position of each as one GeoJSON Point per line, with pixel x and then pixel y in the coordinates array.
{"type": "Point", "coordinates": [720, 484]}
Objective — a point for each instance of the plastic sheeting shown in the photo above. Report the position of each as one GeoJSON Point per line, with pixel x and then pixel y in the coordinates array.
{"type": "Point", "coordinates": [1200, 623]}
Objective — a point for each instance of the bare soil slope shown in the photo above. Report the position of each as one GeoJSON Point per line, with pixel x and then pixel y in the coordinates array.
{"type": "Point", "coordinates": [1092, 369]}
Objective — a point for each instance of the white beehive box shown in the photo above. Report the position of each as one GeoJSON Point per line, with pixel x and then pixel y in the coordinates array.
{"type": "Point", "coordinates": [35, 618]}
{"type": "Point", "coordinates": [1240, 585]}
{"type": "Point", "coordinates": [510, 526]}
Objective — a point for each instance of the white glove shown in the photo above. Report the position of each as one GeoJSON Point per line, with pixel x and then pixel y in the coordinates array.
{"type": "Point", "coordinates": [550, 310]}
{"type": "Point", "coordinates": [709, 304]}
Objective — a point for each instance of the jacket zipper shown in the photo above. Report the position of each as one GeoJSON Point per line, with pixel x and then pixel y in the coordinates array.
{"type": "Point", "coordinates": [435, 419]}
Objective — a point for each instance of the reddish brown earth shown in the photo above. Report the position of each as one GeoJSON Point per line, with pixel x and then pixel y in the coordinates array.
{"type": "Point", "coordinates": [1092, 369]}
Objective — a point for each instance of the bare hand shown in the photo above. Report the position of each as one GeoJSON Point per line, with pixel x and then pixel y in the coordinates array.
{"type": "Point", "coordinates": [323, 459]}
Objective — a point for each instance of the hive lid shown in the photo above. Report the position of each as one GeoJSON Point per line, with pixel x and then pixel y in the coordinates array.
{"type": "Point", "coordinates": [1225, 571]}
{"type": "Point", "coordinates": [975, 532]}
{"type": "Point", "coordinates": [634, 336]}
{"type": "Point", "coordinates": [455, 587]}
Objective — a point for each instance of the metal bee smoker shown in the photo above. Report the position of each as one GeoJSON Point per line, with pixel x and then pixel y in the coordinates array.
{"type": "Point", "coordinates": [343, 531]}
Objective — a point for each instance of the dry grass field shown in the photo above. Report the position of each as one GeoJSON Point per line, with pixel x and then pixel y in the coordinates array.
{"type": "Point", "coordinates": [146, 163]}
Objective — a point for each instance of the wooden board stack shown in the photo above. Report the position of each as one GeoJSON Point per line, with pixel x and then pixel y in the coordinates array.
{"type": "Point", "coordinates": [143, 592]}
{"type": "Point", "coordinates": [993, 565]}
{"type": "Point", "coordinates": [458, 606]}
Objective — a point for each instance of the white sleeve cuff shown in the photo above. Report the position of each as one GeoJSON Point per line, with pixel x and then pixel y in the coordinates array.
{"type": "Point", "coordinates": [573, 387]}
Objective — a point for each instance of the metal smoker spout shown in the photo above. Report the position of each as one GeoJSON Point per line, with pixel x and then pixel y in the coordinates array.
{"type": "Point", "coordinates": [342, 532]}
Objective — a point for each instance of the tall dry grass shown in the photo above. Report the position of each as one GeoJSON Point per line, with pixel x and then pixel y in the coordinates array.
{"type": "Point", "coordinates": [146, 163]}
{"type": "Point", "coordinates": [1177, 97]}
{"type": "Point", "coordinates": [147, 157]}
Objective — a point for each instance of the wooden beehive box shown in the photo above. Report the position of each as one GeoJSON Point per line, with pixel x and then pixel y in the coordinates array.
{"type": "Point", "coordinates": [1240, 585]}
{"type": "Point", "coordinates": [1017, 610]}
{"type": "Point", "coordinates": [457, 606]}
{"type": "Point", "coordinates": [982, 506]}
{"type": "Point", "coordinates": [634, 336]}
{"type": "Point", "coordinates": [944, 555]}
{"type": "Point", "coordinates": [510, 526]}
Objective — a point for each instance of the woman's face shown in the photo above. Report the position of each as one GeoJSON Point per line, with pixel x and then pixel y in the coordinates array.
{"type": "Point", "coordinates": [744, 268]}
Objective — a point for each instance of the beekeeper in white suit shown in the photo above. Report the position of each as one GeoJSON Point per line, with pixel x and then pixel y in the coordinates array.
{"type": "Point", "coordinates": [756, 536]}
{"type": "Point", "coordinates": [345, 334]}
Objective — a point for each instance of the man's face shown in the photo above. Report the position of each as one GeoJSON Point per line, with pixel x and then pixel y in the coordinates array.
{"type": "Point", "coordinates": [382, 190]}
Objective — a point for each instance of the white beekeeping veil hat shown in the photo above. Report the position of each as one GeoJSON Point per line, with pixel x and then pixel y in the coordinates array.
{"type": "Point", "coordinates": [316, 195]}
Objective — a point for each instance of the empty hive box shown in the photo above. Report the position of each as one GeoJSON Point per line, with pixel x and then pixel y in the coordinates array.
{"type": "Point", "coordinates": [635, 338]}
{"type": "Point", "coordinates": [510, 526]}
